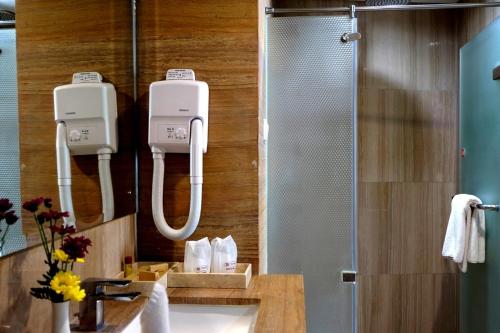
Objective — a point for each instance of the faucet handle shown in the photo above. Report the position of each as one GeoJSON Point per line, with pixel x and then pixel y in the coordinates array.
{"type": "Point", "coordinates": [94, 286]}
{"type": "Point", "coordinates": [92, 307]}
{"type": "Point", "coordinates": [114, 282]}
{"type": "Point", "coordinates": [124, 297]}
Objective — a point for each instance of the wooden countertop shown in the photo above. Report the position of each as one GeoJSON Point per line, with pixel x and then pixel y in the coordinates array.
{"type": "Point", "coordinates": [280, 299]}
{"type": "Point", "coordinates": [117, 314]}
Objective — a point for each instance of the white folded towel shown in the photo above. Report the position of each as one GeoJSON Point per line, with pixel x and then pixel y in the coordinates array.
{"type": "Point", "coordinates": [465, 236]}
{"type": "Point", "coordinates": [155, 316]}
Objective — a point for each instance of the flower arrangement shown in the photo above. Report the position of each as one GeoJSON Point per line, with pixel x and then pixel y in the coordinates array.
{"type": "Point", "coordinates": [59, 284]}
{"type": "Point", "coordinates": [9, 216]}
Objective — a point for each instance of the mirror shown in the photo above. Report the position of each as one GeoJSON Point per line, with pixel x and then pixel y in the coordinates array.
{"type": "Point", "coordinates": [43, 43]}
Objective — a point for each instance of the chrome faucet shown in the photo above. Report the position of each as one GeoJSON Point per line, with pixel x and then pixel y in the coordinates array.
{"type": "Point", "coordinates": [91, 313]}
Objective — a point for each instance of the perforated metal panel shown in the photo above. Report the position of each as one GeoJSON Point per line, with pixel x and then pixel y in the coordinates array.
{"type": "Point", "coordinates": [311, 154]}
{"type": "Point", "coordinates": [9, 137]}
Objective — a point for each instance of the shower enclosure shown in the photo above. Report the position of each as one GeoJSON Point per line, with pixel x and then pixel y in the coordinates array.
{"type": "Point", "coordinates": [311, 111]}
{"type": "Point", "coordinates": [407, 162]}
{"type": "Point", "coordinates": [9, 133]}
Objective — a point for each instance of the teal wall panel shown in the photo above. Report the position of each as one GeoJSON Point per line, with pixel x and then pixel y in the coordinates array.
{"type": "Point", "coordinates": [480, 174]}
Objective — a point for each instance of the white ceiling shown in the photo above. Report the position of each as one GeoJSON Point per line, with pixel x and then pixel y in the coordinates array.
{"type": "Point", "coordinates": [8, 5]}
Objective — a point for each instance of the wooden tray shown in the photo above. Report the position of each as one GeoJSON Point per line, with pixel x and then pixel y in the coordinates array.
{"type": "Point", "coordinates": [176, 278]}
{"type": "Point", "coordinates": [145, 287]}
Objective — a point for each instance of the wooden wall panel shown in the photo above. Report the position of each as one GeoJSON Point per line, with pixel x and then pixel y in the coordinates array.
{"type": "Point", "coordinates": [55, 39]}
{"type": "Point", "coordinates": [407, 115]}
{"type": "Point", "coordinates": [19, 312]}
{"type": "Point", "coordinates": [219, 41]}
{"type": "Point", "coordinates": [414, 303]}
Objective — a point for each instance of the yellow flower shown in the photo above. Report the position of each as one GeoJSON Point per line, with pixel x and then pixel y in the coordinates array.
{"type": "Point", "coordinates": [68, 284]}
{"type": "Point", "coordinates": [80, 260]}
{"type": "Point", "coordinates": [74, 294]}
{"type": "Point", "coordinates": [60, 255]}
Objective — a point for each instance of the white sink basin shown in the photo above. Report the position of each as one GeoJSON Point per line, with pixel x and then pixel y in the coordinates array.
{"type": "Point", "coordinates": [194, 318]}
{"type": "Point", "coordinates": [191, 318]}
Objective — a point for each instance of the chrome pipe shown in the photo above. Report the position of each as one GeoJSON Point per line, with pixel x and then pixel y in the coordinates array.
{"type": "Point", "coordinates": [428, 6]}
{"type": "Point", "coordinates": [271, 10]}
{"type": "Point", "coordinates": [494, 208]}
{"type": "Point", "coordinates": [7, 24]}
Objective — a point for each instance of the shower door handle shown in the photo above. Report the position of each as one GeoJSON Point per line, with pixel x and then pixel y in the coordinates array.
{"type": "Point", "coordinates": [349, 37]}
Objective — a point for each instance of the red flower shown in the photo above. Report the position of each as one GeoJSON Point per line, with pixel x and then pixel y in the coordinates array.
{"type": "Point", "coordinates": [42, 217]}
{"type": "Point", "coordinates": [76, 247]}
{"type": "Point", "coordinates": [67, 230]}
{"type": "Point", "coordinates": [33, 204]}
{"type": "Point", "coordinates": [10, 217]}
{"type": "Point", "coordinates": [63, 230]}
{"type": "Point", "coordinates": [51, 215]}
{"type": "Point", "coordinates": [55, 229]}
{"type": "Point", "coordinates": [47, 202]}
{"type": "Point", "coordinates": [5, 205]}
{"type": "Point", "coordinates": [57, 215]}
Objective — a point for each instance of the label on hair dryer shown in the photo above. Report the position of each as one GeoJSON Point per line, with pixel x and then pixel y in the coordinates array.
{"type": "Point", "coordinates": [180, 74]}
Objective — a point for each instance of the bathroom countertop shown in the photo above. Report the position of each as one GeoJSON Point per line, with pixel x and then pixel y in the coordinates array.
{"type": "Point", "coordinates": [119, 314]}
{"type": "Point", "coordinates": [280, 299]}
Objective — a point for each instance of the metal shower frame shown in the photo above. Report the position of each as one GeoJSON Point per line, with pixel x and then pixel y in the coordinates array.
{"type": "Point", "coordinates": [353, 9]}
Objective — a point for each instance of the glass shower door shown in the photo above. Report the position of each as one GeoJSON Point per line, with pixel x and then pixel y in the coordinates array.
{"type": "Point", "coordinates": [479, 173]}
{"type": "Point", "coordinates": [311, 111]}
{"type": "Point", "coordinates": [9, 138]}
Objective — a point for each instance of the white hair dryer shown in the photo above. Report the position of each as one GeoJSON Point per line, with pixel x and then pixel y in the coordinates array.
{"type": "Point", "coordinates": [85, 113]}
{"type": "Point", "coordinates": [178, 123]}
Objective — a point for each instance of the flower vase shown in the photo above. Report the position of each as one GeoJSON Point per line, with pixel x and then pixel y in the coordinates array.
{"type": "Point", "coordinates": [60, 317]}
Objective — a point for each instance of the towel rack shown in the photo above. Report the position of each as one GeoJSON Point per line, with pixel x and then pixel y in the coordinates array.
{"type": "Point", "coordinates": [493, 208]}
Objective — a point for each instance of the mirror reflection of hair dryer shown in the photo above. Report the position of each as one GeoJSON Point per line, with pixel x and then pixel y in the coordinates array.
{"type": "Point", "coordinates": [86, 117]}
{"type": "Point", "coordinates": [178, 123]}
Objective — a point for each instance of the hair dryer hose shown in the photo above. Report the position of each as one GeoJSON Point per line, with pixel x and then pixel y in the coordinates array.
{"type": "Point", "coordinates": [108, 203]}
{"type": "Point", "coordinates": [196, 179]}
{"type": "Point", "coordinates": [64, 175]}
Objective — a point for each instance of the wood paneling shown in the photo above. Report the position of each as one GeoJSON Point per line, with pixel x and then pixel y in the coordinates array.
{"type": "Point", "coordinates": [407, 116]}
{"type": "Point", "coordinates": [19, 312]}
{"type": "Point", "coordinates": [401, 229]}
{"type": "Point", "coordinates": [54, 40]}
{"type": "Point", "coordinates": [219, 41]}
{"type": "Point", "coordinates": [414, 303]}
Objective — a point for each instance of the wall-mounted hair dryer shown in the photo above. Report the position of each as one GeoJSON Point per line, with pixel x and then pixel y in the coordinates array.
{"type": "Point", "coordinates": [85, 113]}
{"type": "Point", "coordinates": [178, 123]}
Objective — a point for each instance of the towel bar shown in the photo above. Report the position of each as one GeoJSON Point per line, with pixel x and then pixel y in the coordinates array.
{"type": "Point", "coordinates": [494, 208]}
